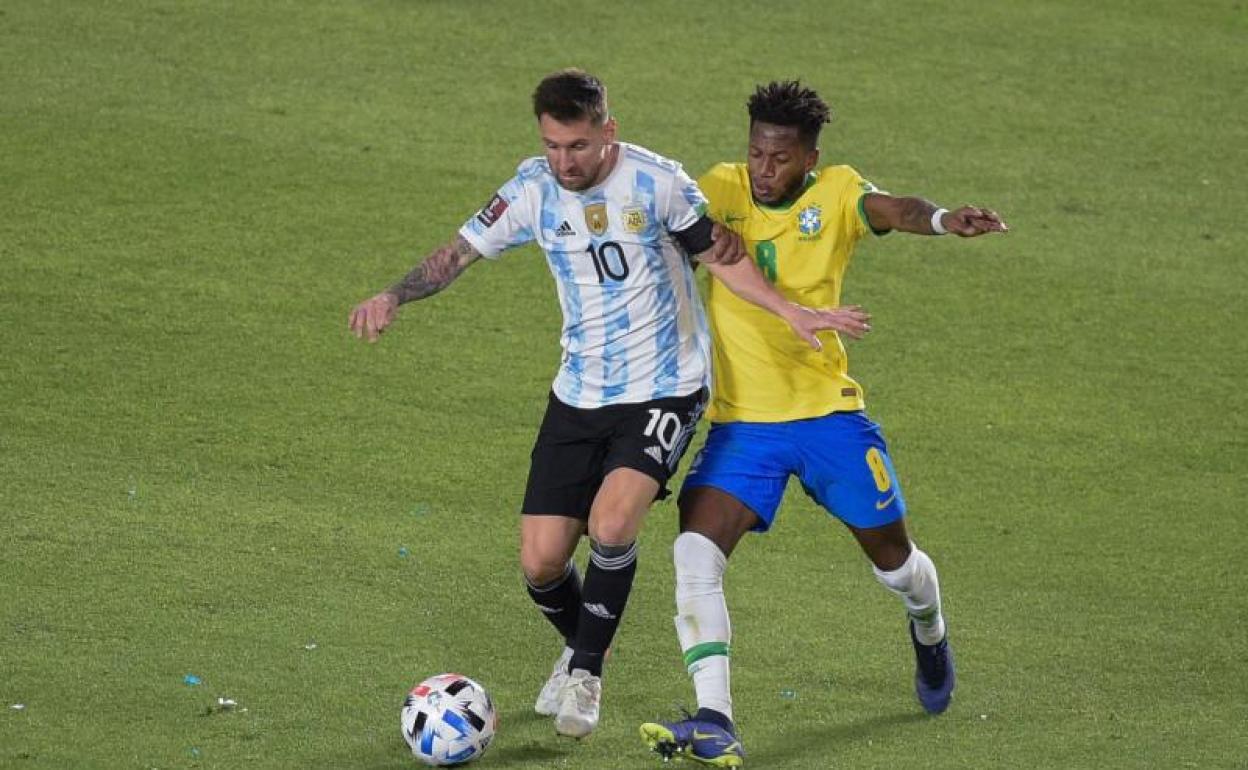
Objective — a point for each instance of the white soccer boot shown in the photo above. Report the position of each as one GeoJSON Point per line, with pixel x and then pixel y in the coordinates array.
{"type": "Point", "coordinates": [578, 705]}
{"type": "Point", "coordinates": [548, 699]}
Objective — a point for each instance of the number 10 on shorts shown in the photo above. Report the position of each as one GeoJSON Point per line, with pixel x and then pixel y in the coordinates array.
{"type": "Point", "coordinates": [663, 427]}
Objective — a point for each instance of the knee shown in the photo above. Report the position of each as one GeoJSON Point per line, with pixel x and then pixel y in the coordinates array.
{"type": "Point", "coordinates": [888, 547]}
{"type": "Point", "coordinates": [891, 556]}
{"type": "Point", "coordinates": [700, 564]}
{"type": "Point", "coordinates": [612, 528]}
{"type": "Point", "coordinates": [914, 573]}
{"type": "Point", "coordinates": [540, 568]}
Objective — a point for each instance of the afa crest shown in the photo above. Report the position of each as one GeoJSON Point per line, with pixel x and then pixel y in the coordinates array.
{"type": "Point", "coordinates": [810, 220]}
{"type": "Point", "coordinates": [635, 220]}
{"type": "Point", "coordinates": [596, 218]}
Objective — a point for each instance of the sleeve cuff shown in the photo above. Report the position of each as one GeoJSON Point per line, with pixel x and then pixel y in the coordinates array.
{"type": "Point", "coordinates": [866, 222]}
{"type": "Point", "coordinates": [468, 234]}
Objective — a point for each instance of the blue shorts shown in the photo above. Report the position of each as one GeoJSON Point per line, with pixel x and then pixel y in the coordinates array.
{"type": "Point", "coordinates": [841, 460]}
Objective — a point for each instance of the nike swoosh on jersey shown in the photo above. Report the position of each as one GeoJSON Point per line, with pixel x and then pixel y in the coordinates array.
{"type": "Point", "coordinates": [882, 504]}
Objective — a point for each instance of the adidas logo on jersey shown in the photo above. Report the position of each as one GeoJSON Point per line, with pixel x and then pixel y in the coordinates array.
{"type": "Point", "coordinates": [564, 230]}
{"type": "Point", "coordinates": [654, 453]}
{"type": "Point", "coordinates": [600, 610]}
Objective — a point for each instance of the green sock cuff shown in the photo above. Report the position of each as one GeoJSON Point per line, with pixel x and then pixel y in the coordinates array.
{"type": "Point", "coordinates": [704, 650]}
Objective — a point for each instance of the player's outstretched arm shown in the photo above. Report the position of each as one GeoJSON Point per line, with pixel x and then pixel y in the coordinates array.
{"type": "Point", "coordinates": [746, 281]}
{"type": "Point", "coordinates": [916, 215]}
{"type": "Point", "coordinates": [371, 317]}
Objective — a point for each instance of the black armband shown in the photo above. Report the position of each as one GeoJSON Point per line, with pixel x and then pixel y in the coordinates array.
{"type": "Point", "coordinates": [696, 238]}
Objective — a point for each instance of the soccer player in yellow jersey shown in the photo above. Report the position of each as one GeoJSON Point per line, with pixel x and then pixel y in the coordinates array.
{"type": "Point", "coordinates": [781, 409]}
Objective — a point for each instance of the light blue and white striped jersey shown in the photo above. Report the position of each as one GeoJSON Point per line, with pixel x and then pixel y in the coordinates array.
{"type": "Point", "coordinates": [633, 325]}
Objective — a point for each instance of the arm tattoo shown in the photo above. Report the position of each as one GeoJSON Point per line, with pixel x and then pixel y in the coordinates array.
{"type": "Point", "coordinates": [436, 272]}
{"type": "Point", "coordinates": [916, 216]}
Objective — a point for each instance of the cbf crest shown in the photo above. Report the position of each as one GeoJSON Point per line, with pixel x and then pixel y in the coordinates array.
{"type": "Point", "coordinates": [810, 221]}
{"type": "Point", "coordinates": [596, 218]}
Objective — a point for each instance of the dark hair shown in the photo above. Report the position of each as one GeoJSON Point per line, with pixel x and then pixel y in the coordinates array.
{"type": "Point", "coordinates": [789, 103]}
{"type": "Point", "coordinates": [570, 95]}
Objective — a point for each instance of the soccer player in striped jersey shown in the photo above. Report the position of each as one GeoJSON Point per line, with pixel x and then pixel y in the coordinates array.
{"type": "Point", "coordinates": [616, 223]}
{"type": "Point", "coordinates": [781, 410]}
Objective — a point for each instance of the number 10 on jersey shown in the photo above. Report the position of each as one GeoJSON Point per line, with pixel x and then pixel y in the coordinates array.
{"type": "Point", "coordinates": [609, 261]}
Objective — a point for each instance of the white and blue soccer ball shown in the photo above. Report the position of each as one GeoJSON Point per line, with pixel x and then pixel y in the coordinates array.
{"type": "Point", "coordinates": [448, 719]}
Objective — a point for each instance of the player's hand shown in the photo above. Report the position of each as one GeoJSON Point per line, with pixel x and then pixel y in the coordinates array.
{"type": "Point", "coordinates": [371, 317]}
{"type": "Point", "coordinates": [851, 320]}
{"type": "Point", "coordinates": [727, 248]}
{"type": "Point", "coordinates": [970, 221]}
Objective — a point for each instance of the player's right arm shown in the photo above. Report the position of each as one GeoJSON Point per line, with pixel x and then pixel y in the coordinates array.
{"type": "Point", "coordinates": [746, 281]}
{"type": "Point", "coordinates": [442, 266]}
{"type": "Point", "coordinates": [503, 223]}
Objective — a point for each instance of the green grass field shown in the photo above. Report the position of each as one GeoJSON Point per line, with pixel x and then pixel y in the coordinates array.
{"type": "Point", "coordinates": [202, 473]}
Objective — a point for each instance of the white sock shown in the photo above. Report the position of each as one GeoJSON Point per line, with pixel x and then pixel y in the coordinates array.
{"type": "Point", "coordinates": [919, 588]}
{"type": "Point", "coordinates": [702, 619]}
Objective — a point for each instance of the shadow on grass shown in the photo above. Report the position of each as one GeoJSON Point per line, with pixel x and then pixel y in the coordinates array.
{"type": "Point", "coordinates": [521, 745]}
{"type": "Point", "coordinates": [522, 717]}
{"type": "Point", "coordinates": [530, 752]}
{"type": "Point", "coordinates": [822, 741]}
{"type": "Point", "coordinates": [506, 755]}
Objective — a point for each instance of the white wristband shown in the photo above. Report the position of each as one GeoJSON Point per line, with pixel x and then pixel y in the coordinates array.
{"type": "Point", "coordinates": [938, 227]}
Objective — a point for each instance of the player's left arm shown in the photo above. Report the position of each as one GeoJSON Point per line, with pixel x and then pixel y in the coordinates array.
{"type": "Point", "coordinates": [917, 215]}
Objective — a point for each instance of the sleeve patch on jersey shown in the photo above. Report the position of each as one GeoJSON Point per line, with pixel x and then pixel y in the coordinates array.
{"type": "Point", "coordinates": [491, 212]}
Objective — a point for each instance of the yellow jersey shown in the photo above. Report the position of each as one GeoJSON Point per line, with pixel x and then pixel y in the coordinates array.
{"type": "Point", "coordinates": [763, 372]}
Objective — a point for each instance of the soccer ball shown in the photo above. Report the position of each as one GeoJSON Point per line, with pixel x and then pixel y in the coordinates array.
{"type": "Point", "coordinates": [448, 720]}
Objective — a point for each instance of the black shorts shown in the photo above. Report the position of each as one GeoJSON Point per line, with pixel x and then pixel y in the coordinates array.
{"type": "Point", "coordinates": [577, 448]}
